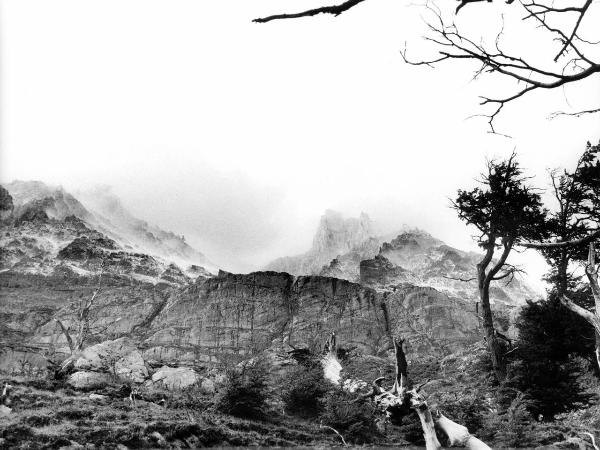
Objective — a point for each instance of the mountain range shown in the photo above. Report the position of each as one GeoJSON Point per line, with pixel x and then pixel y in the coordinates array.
{"type": "Point", "coordinates": [52, 229]}
{"type": "Point", "coordinates": [57, 248]}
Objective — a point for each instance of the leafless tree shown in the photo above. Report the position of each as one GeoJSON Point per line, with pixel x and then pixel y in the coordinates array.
{"type": "Point", "coordinates": [570, 27]}
{"type": "Point", "coordinates": [78, 337]}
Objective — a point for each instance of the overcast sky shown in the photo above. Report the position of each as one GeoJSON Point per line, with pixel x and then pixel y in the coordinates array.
{"type": "Point", "coordinates": [240, 135]}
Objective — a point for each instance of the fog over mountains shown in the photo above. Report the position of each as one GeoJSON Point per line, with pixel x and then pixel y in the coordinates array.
{"type": "Point", "coordinates": [50, 221]}
{"type": "Point", "coordinates": [56, 230]}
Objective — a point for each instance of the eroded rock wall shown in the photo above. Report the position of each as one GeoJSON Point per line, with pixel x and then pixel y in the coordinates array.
{"type": "Point", "coordinates": [240, 315]}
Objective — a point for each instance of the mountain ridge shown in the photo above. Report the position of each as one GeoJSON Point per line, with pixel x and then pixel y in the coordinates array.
{"type": "Point", "coordinates": [103, 214]}
{"type": "Point", "coordinates": [411, 256]}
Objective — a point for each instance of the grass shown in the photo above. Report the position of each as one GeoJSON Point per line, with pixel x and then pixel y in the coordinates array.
{"type": "Point", "coordinates": [58, 417]}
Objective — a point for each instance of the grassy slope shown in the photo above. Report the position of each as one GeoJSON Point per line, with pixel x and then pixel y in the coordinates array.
{"type": "Point", "coordinates": [46, 415]}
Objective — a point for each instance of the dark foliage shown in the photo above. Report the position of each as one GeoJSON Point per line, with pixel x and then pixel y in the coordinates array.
{"type": "Point", "coordinates": [577, 194]}
{"type": "Point", "coordinates": [6, 201]}
{"type": "Point", "coordinates": [353, 417]}
{"type": "Point", "coordinates": [247, 391]}
{"type": "Point", "coordinates": [505, 208]}
{"type": "Point", "coordinates": [549, 335]}
{"type": "Point", "coordinates": [303, 390]}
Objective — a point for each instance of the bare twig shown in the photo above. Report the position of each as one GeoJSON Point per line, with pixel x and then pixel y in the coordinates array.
{"type": "Point", "coordinates": [336, 432]}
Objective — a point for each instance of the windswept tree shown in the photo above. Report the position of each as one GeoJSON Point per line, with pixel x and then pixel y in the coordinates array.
{"type": "Point", "coordinates": [574, 219]}
{"type": "Point", "coordinates": [573, 229]}
{"type": "Point", "coordinates": [505, 211]}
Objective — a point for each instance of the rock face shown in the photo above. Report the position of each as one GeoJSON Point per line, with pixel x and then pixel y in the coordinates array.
{"type": "Point", "coordinates": [380, 271]}
{"type": "Point", "coordinates": [233, 317]}
{"type": "Point", "coordinates": [173, 274]}
{"type": "Point", "coordinates": [241, 315]}
{"type": "Point", "coordinates": [31, 302]}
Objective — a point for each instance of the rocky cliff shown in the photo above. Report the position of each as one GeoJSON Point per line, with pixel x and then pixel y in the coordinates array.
{"type": "Point", "coordinates": [236, 315]}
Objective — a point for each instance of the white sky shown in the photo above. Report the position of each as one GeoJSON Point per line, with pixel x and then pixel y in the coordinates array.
{"type": "Point", "coordinates": [240, 135]}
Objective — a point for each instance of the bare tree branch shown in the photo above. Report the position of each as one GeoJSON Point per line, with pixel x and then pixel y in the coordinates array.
{"type": "Point", "coordinates": [336, 10]}
{"type": "Point", "coordinates": [575, 242]}
{"type": "Point", "coordinates": [452, 44]}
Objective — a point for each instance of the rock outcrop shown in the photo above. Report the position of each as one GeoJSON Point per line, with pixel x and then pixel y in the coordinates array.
{"type": "Point", "coordinates": [380, 271]}
{"type": "Point", "coordinates": [418, 258]}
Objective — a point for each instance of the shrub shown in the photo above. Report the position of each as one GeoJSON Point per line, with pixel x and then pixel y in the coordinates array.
{"type": "Point", "coordinates": [512, 427]}
{"type": "Point", "coordinates": [303, 390]}
{"type": "Point", "coordinates": [246, 391]}
{"type": "Point", "coordinates": [544, 366]}
{"type": "Point", "coordinates": [352, 416]}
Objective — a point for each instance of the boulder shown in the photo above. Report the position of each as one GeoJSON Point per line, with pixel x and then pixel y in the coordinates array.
{"type": "Point", "coordinates": [175, 377]}
{"type": "Point", "coordinates": [132, 367]}
{"type": "Point", "coordinates": [119, 357]}
{"type": "Point", "coordinates": [85, 379]}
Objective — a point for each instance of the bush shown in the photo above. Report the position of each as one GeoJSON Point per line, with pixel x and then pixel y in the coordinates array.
{"type": "Point", "coordinates": [352, 416]}
{"type": "Point", "coordinates": [303, 390]}
{"type": "Point", "coordinates": [246, 391]}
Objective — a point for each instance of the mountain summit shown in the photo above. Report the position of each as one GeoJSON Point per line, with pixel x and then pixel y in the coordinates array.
{"type": "Point", "coordinates": [335, 236]}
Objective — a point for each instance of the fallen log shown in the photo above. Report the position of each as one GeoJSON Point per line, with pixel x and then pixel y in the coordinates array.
{"type": "Point", "coordinates": [403, 399]}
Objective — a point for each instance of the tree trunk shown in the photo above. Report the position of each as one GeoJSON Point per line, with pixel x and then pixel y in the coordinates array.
{"type": "Point", "coordinates": [431, 440]}
{"type": "Point", "coordinates": [598, 349]}
{"type": "Point", "coordinates": [491, 337]}
{"type": "Point", "coordinates": [593, 318]}
{"type": "Point", "coordinates": [459, 435]}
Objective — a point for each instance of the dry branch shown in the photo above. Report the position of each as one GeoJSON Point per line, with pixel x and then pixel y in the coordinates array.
{"type": "Point", "coordinates": [402, 398]}
{"type": "Point", "coordinates": [452, 44]}
{"type": "Point", "coordinates": [336, 10]}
